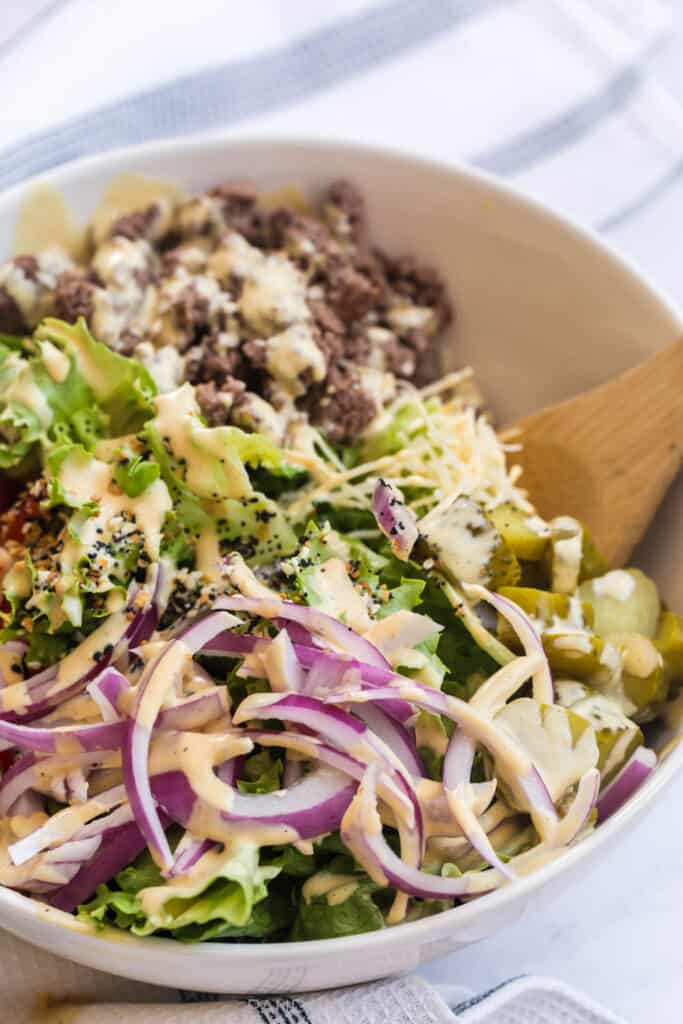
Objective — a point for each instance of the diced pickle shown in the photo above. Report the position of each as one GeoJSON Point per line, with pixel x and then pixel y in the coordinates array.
{"type": "Point", "coordinates": [626, 666]}
{"type": "Point", "coordinates": [624, 601]}
{"type": "Point", "coordinates": [669, 642]}
{"type": "Point", "coordinates": [526, 535]}
{"type": "Point", "coordinates": [574, 653]}
{"type": "Point", "coordinates": [617, 736]}
{"type": "Point", "coordinates": [462, 539]}
{"type": "Point", "coordinates": [592, 562]}
{"type": "Point", "coordinates": [543, 606]}
{"type": "Point", "coordinates": [562, 748]}
{"type": "Point", "coordinates": [534, 574]}
{"type": "Point", "coordinates": [643, 677]}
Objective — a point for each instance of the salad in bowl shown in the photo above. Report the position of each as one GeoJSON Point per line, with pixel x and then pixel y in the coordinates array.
{"type": "Point", "coordinates": [286, 651]}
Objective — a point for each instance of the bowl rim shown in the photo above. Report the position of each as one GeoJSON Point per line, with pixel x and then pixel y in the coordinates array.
{"type": "Point", "coordinates": [381, 940]}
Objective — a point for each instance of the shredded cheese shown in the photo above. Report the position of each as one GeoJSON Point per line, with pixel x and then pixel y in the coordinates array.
{"type": "Point", "coordinates": [454, 450]}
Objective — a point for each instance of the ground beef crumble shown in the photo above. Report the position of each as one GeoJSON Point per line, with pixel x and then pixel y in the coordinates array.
{"type": "Point", "coordinates": [205, 276]}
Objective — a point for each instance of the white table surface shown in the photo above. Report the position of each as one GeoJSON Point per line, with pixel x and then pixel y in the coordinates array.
{"type": "Point", "coordinates": [618, 933]}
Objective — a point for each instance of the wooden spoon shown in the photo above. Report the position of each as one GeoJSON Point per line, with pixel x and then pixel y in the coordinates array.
{"type": "Point", "coordinates": [609, 455]}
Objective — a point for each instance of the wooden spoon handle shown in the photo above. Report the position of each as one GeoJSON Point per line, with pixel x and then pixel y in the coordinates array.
{"type": "Point", "coordinates": [652, 397]}
{"type": "Point", "coordinates": [609, 455]}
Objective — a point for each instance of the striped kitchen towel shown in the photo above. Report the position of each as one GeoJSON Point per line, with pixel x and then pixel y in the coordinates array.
{"type": "Point", "coordinates": [553, 94]}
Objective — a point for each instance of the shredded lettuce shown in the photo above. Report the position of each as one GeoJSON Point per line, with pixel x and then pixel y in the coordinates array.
{"type": "Point", "coordinates": [62, 386]}
{"type": "Point", "coordinates": [193, 907]}
{"type": "Point", "coordinates": [322, 919]}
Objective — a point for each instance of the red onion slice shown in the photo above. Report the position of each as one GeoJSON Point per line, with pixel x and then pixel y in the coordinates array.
{"type": "Point", "coordinates": [324, 664]}
{"type": "Point", "coordinates": [310, 808]}
{"type": "Point", "coordinates": [361, 831]}
{"type": "Point", "coordinates": [119, 847]}
{"type": "Point", "coordinates": [108, 690]}
{"type": "Point", "coordinates": [390, 790]}
{"type": "Point", "coordinates": [18, 778]}
{"type": "Point", "coordinates": [522, 776]}
{"type": "Point", "coordinates": [64, 825]}
{"type": "Point", "coordinates": [283, 668]}
{"type": "Point", "coordinates": [634, 773]}
{"type": "Point", "coordinates": [396, 521]}
{"type": "Point", "coordinates": [489, 698]}
{"type": "Point", "coordinates": [63, 739]}
{"type": "Point", "coordinates": [339, 728]}
{"type": "Point", "coordinates": [312, 619]}
{"type": "Point", "coordinates": [159, 677]}
{"type": "Point", "coordinates": [529, 638]}
{"type": "Point", "coordinates": [395, 736]}
{"type": "Point", "coordinates": [188, 851]}
{"type": "Point", "coordinates": [193, 713]}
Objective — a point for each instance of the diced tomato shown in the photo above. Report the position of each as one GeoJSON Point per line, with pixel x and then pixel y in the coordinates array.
{"type": "Point", "coordinates": [24, 512]}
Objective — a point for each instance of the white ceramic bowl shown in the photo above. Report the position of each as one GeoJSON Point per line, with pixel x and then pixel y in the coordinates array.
{"type": "Point", "coordinates": [544, 310]}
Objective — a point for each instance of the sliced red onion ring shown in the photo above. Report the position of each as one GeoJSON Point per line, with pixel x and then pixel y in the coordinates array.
{"type": "Point", "coordinates": [108, 690]}
{"type": "Point", "coordinates": [396, 521]}
{"type": "Point", "coordinates": [188, 851]}
{"type": "Point", "coordinates": [340, 728]}
{"type": "Point", "coordinates": [163, 673]}
{"type": "Point", "coordinates": [461, 800]}
{"type": "Point", "coordinates": [634, 773]}
{"type": "Point", "coordinates": [312, 807]}
{"type": "Point", "coordinates": [18, 778]}
{"type": "Point", "coordinates": [63, 739]}
{"type": "Point", "coordinates": [74, 852]}
{"type": "Point", "coordinates": [337, 666]}
{"type": "Point", "coordinates": [526, 631]}
{"type": "Point", "coordinates": [522, 776]}
{"type": "Point", "coordinates": [361, 831]}
{"type": "Point", "coordinates": [390, 790]}
{"type": "Point", "coordinates": [64, 825]}
{"type": "Point", "coordinates": [457, 769]}
{"type": "Point", "coordinates": [193, 713]}
{"type": "Point", "coordinates": [324, 666]}
{"type": "Point", "coordinates": [396, 737]}
{"type": "Point", "coordinates": [438, 816]}
{"type": "Point", "coordinates": [119, 847]}
{"type": "Point", "coordinates": [312, 619]}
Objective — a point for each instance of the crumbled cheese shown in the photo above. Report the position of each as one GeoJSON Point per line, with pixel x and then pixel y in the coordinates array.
{"type": "Point", "coordinates": [381, 385]}
{"type": "Point", "coordinates": [254, 412]}
{"type": "Point", "coordinates": [567, 542]}
{"type": "Point", "coordinates": [290, 354]}
{"type": "Point", "coordinates": [404, 318]}
{"type": "Point", "coordinates": [118, 261]}
{"type": "Point", "coordinates": [166, 365]}
{"type": "Point", "coordinates": [274, 295]}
